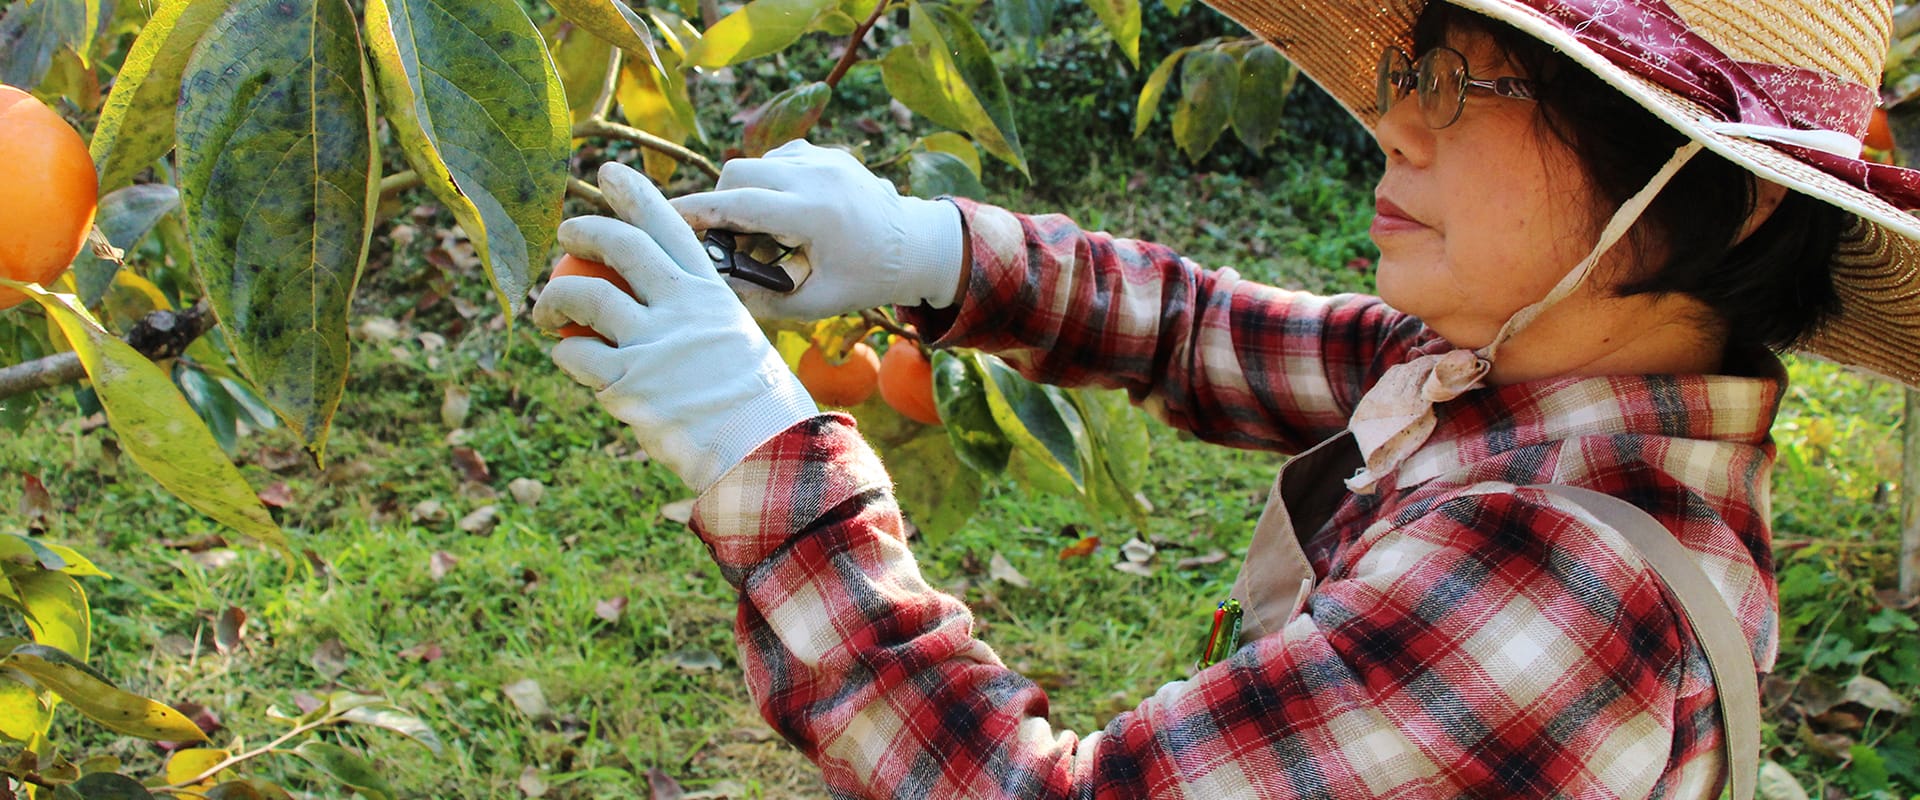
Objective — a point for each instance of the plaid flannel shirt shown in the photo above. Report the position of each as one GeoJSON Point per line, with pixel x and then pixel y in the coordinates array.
{"type": "Point", "coordinates": [1466, 638]}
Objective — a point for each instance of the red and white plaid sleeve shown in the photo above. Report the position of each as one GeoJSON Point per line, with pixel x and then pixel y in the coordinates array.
{"type": "Point", "coordinates": [1232, 361]}
{"type": "Point", "coordinates": [1492, 646]}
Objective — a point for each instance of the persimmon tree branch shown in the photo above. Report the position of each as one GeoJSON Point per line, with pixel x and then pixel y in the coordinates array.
{"type": "Point", "coordinates": [608, 129]}
{"type": "Point", "coordinates": [162, 335]}
{"type": "Point", "coordinates": [852, 53]}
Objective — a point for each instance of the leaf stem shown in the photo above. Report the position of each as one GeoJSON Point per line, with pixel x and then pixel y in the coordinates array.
{"type": "Point", "coordinates": [852, 53]}
{"type": "Point", "coordinates": [250, 754]}
{"type": "Point", "coordinates": [603, 105]}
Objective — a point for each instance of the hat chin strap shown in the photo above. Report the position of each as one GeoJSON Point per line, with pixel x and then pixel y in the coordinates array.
{"type": "Point", "coordinates": [1396, 416]}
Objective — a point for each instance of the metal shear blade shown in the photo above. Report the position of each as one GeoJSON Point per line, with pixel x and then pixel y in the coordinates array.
{"type": "Point", "coordinates": [723, 246]}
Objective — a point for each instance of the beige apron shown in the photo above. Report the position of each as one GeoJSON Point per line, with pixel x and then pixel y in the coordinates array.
{"type": "Point", "coordinates": [1276, 578]}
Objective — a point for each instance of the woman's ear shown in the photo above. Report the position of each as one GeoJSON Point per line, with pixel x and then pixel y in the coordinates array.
{"type": "Point", "coordinates": [1766, 197]}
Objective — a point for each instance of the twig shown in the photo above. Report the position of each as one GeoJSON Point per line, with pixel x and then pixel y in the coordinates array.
{"type": "Point", "coordinates": [250, 754]}
{"type": "Point", "coordinates": [608, 129]}
{"type": "Point", "coordinates": [162, 335]}
{"type": "Point", "coordinates": [852, 53]}
{"type": "Point", "coordinates": [883, 321]}
{"type": "Point", "coordinates": [588, 192]}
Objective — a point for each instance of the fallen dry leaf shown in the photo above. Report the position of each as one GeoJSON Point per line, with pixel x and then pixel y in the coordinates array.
{"type": "Point", "coordinates": [428, 511]}
{"type": "Point", "coordinates": [696, 660]}
{"type": "Point", "coordinates": [481, 521]}
{"type": "Point", "coordinates": [999, 569]}
{"type": "Point", "coordinates": [424, 652]}
{"type": "Point", "coordinates": [330, 658]}
{"type": "Point", "coordinates": [276, 495]}
{"type": "Point", "coordinates": [1080, 549]}
{"type": "Point", "coordinates": [1134, 568]}
{"type": "Point", "coordinates": [526, 491]}
{"type": "Point", "coordinates": [610, 609]}
{"type": "Point", "coordinates": [230, 629]}
{"type": "Point", "coordinates": [472, 467]}
{"type": "Point", "coordinates": [1137, 551]}
{"type": "Point", "coordinates": [441, 563]}
{"type": "Point", "coordinates": [527, 696]}
{"type": "Point", "coordinates": [662, 786]}
{"type": "Point", "coordinates": [36, 503]}
{"type": "Point", "coordinates": [1212, 557]}
{"type": "Point", "coordinates": [455, 405]}
{"type": "Point", "coordinates": [530, 783]}
{"type": "Point", "coordinates": [214, 559]}
{"type": "Point", "coordinates": [379, 330]}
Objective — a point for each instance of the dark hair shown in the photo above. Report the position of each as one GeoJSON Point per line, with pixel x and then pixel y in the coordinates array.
{"type": "Point", "coordinates": [1774, 288]}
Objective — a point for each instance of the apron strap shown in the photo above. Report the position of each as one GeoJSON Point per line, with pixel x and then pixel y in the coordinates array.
{"type": "Point", "coordinates": [1720, 634]}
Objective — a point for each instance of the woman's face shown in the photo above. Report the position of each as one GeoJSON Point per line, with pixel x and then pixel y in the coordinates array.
{"type": "Point", "coordinates": [1481, 218]}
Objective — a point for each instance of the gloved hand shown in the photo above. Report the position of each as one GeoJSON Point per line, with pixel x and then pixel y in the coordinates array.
{"type": "Point", "coordinates": [867, 245]}
{"type": "Point", "coordinates": [689, 370]}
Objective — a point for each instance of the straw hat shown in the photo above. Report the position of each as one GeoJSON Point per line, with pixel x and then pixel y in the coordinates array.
{"type": "Point", "coordinates": [1784, 88]}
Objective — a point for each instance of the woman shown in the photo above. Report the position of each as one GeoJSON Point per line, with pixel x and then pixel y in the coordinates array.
{"type": "Point", "coordinates": [1596, 216]}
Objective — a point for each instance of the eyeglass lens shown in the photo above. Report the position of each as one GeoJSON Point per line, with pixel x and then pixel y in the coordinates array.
{"type": "Point", "coordinates": [1440, 80]}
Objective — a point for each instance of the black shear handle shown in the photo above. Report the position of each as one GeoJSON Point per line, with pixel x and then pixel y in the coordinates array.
{"type": "Point", "coordinates": [723, 246]}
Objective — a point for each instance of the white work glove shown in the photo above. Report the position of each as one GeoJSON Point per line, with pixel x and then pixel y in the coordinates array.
{"type": "Point", "coordinates": [866, 245]}
{"type": "Point", "coordinates": [689, 370]}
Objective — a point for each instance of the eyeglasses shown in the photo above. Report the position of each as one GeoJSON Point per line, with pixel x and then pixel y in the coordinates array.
{"type": "Point", "coordinates": [1440, 77]}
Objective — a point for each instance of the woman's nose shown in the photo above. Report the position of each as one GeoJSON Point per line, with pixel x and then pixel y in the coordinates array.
{"type": "Point", "coordinates": [1403, 133]}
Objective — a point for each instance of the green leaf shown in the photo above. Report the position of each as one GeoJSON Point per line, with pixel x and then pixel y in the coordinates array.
{"type": "Point", "coordinates": [1121, 444]}
{"type": "Point", "coordinates": [125, 215]}
{"type": "Point", "coordinates": [1175, 7]}
{"type": "Point", "coordinates": [1265, 79]}
{"type": "Point", "coordinates": [1208, 85]}
{"type": "Point", "coordinates": [279, 175]}
{"type": "Point", "coordinates": [347, 767]}
{"type": "Point", "coordinates": [757, 29]}
{"type": "Point", "coordinates": [613, 22]}
{"type": "Point", "coordinates": [910, 80]}
{"type": "Point", "coordinates": [158, 429]}
{"type": "Point", "coordinates": [256, 410]}
{"type": "Point", "coordinates": [31, 32]}
{"type": "Point", "coordinates": [481, 114]}
{"type": "Point", "coordinates": [961, 65]}
{"type": "Point", "coordinates": [215, 407]}
{"type": "Point", "coordinates": [960, 395]}
{"type": "Point", "coordinates": [25, 712]}
{"type": "Point", "coordinates": [1156, 86]}
{"type": "Point", "coordinates": [581, 59]}
{"type": "Point", "coordinates": [23, 549]}
{"type": "Point", "coordinates": [136, 124]}
{"type": "Point", "coordinates": [785, 117]}
{"type": "Point", "coordinates": [952, 144]}
{"type": "Point", "coordinates": [942, 493]}
{"type": "Point", "coordinates": [1040, 420]}
{"type": "Point", "coordinates": [1122, 20]}
{"type": "Point", "coordinates": [398, 721]}
{"type": "Point", "coordinates": [1028, 20]}
{"type": "Point", "coordinates": [60, 616]}
{"type": "Point", "coordinates": [92, 695]}
{"type": "Point", "coordinates": [934, 174]}
{"type": "Point", "coordinates": [110, 786]}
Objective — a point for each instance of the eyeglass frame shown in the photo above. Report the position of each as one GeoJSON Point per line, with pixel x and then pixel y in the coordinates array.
{"type": "Point", "coordinates": [1508, 86]}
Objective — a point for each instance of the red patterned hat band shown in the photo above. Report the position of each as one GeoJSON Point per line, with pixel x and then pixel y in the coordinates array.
{"type": "Point", "coordinates": [1814, 116]}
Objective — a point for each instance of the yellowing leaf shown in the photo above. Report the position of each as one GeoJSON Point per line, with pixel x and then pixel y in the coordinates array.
{"type": "Point", "coordinates": [158, 429]}
{"type": "Point", "coordinates": [1209, 85]}
{"type": "Point", "coordinates": [614, 22]}
{"type": "Point", "coordinates": [25, 714]}
{"type": "Point", "coordinates": [1122, 20]}
{"type": "Point", "coordinates": [60, 616]}
{"type": "Point", "coordinates": [192, 762]}
{"type": "Point", "coordinates": [136, 125]}
{"type": "Point", "coordinates": [757, 29]}
{"type": "Point", "coordinates": [660, 106]}
{"type": "Point", "coordinates": [1156, 86]}
{"type": "Point", "coordinates": [117, 710]}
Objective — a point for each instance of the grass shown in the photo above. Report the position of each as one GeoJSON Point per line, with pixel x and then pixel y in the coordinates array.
{"type": "Point", "coordinates": [520, 600]}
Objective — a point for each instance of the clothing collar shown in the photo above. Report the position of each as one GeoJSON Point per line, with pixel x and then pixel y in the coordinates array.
{"type": "Point", "coordinates": [1735, 408]}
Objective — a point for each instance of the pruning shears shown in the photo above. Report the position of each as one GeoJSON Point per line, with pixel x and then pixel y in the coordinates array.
{"type": "Point", "coordinates": [730, 258]}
